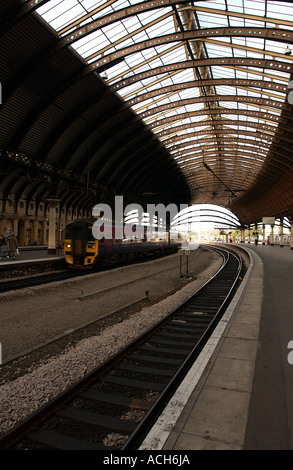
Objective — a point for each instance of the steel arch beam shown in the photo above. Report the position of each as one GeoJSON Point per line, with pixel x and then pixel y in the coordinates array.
{"type": "Point", "coordinates": [265, 116]}
{"type": "Point", "coordinates": [225, 122]}
{"type": "Point", "coordinates": [92, 101]}
{"type": "Point", "coordinates": [121, 14]}
{"type": "Point", "coordinates": [258, 102]}
{"type": "Point", "coordinates": [273, 34]}
{"type": "Point", "coordinates": [275, 164]}
{"type": "Point", "coordinates": [112, 58]}
{"type": "Point", "coordinates": [278, 138]}
{"type": "Point", "coordinates": [275, 65]}
{"type": "Point", "coordinates": [232, 82]}
{"type": "Point", "coordinates": [196, 144]}
{"type": "Point", "coordinates": [41, 108]}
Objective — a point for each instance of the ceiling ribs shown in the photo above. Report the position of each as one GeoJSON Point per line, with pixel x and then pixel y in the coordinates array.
{"type": "Point", "coordinates": [225, 61]}
{"type": "Point", "coordinates": [267, 120]}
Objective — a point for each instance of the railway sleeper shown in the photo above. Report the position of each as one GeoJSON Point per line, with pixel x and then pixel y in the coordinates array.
{"type": "Point", "coordinates": [59, 441]}
{"type": "Point", "coordinates": [163, 350]}
{"type": "Point", "coordinates": [155, 359]}
{"type": "Point", "coordinates": [196, 325]}
{"type": "Point", "coordinates": [173, 344]}
{"type": "Point", "coordinates": [117, 400]}
{"type": "Point", "coordinates": [98, 420]}
{"type": "Point", "coordinates": [210, 305]}
{"type": "Point", "coordinates": [177, 328]}
{"type": "Point", "coordinates": [194, 316]}
{"type": "Point", "coordinates": [146, 370]}
{"type": "Point", "coordinates": [172, 335]}
{"type": "Point", "coordinates": [177, 335]}
{"type": "Point", "coordinates": [184, 332]}
{"type": "Point", "coordinates": [133, 383]}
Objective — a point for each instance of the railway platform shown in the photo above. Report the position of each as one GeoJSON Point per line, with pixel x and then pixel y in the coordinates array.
{"type": "Point", "coordinates": [30, 260]}
{"type": "Point", "coordinates": [239, 393]}
{"type": "Point", "coordinates": [29, 255]}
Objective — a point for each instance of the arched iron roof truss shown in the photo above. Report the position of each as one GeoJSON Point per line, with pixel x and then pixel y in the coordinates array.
{"type": "Point", "coordinates": [195, 89]}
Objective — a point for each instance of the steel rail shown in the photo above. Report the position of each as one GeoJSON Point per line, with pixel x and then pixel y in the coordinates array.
{"type": "Point", "coordinates": [141, 431]}
{"type": "Point", "coordinates": [21, 430]}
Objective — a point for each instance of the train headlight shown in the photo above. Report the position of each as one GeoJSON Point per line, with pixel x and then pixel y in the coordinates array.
{"type": "Point", "coordinates": [68, 245]}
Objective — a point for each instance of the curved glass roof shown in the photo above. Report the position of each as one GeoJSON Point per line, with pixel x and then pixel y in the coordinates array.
{"type": "Point", "coordinates": [209, 78]}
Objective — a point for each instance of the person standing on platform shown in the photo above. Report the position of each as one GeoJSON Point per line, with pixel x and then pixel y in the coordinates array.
{"type": "Point", "coordinates": [13, 245]}
{"type": "Point", "coordinates": [2, 245]}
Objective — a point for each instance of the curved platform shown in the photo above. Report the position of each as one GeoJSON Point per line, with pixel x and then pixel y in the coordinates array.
{"type": "Point", "coordinates": [238, 395]}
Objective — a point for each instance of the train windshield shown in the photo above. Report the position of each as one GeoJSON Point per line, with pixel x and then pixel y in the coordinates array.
{"type": "Point", "coordinates": [80, 232]}
{"type": "Point", "coordinates": [90, 236]}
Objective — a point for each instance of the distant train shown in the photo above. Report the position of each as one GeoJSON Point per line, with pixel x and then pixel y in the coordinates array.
{"type": "Point", "coordinates": [83, 250]}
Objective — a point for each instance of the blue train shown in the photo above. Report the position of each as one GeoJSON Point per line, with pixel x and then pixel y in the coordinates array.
{"type": "Point", "coordinates": [83, 250]}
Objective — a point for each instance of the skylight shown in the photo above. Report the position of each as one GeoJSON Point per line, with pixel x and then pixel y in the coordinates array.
{"type": "Point", "coordinates": [220, 63]}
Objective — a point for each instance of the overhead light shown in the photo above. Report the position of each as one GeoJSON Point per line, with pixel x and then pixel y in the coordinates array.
{"type": "Point", "coordinates": [288, 51]}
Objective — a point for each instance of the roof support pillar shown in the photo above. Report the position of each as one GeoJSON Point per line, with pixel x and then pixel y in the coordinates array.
{"type": "Point", "coordinates": [272, 235]}
{"type": "Point", "coordinates": [291, 231]}
{"type": "Point", "coordinates": [52, 204]}
{"type": "Point", "coordinates": [281, 233]}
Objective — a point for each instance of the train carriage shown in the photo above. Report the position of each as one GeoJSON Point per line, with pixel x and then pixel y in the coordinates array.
{"type": "Point", "coordinates": [83, 250]}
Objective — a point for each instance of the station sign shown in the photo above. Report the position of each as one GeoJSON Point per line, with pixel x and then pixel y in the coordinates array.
{"type": "Point", "coordinates": [183, 252]}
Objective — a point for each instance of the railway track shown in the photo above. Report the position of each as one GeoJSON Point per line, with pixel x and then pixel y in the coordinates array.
{"type": "Point", "coordinates": [116, 404]}
{"type": "Point", "coordinates": [37, 280]}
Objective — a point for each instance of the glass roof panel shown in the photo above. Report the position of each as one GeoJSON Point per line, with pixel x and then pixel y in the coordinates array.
{"type": "Point", "coordinates": [155, 38]}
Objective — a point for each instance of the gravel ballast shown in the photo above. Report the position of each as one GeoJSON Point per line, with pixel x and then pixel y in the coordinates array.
{"type": "Point", "coordinates": [34, 379]}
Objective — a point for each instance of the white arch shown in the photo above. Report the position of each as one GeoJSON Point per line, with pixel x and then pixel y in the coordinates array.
{"type": "Point", "coordinates": [203, 215]}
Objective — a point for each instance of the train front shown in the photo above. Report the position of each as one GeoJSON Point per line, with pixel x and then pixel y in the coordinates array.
{"type": "Point", "coordinates": [80, 247]}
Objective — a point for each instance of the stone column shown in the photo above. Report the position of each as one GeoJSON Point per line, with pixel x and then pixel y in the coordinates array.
{"type": "Point", "coordinates": [35, 230]}
{"type": "Point", "coordinates": [281, 233]}
{"type": "Point", "coordinates": [272, 235]}
{"type": "Point", "coordinates": [263, 234]}
{"type": "Point", "coordinates": [15, 227]}
{"type": "Point", "coordinates": [52, 203]}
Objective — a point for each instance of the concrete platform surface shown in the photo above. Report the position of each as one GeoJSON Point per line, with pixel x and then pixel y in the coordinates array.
{"type": "Point", "coordinates": [31, 254]}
